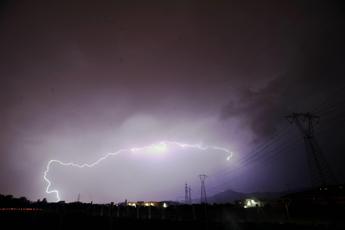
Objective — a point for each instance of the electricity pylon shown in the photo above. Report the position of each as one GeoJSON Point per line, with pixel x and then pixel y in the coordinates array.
{"type": "Point", "coordinates": [190, 195]}
{"type": "Point", "coordinates": [320, 172]}
{"type": "Point", "coordinates": [186, 195]}
{"type": "Point", "coordinates": [203, 197]}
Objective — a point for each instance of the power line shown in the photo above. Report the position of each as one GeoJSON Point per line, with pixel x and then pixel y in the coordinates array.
{"type": "Point", "coordinates": [269, 156]}
{"type": "Point", "coordinates": [263, 152]}
{"type": "Point", "coordinates": [259, 150]}
{"type": "Point", "coordinates": [263, 147]}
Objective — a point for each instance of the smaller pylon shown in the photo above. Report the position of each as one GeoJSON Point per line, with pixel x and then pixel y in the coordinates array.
{"type": "Point", "coordinates": [186, 195]}
{"type": "Point", "coordinates": [203, 197]}
{"type": "Point", "coordinates": [189, 195]}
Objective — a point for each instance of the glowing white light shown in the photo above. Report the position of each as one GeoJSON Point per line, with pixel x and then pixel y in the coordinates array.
{"type": "Point", "coordinates": [160, 147]}
{"type": "Point", "coordinates": [250, 203]}
{"type": "Point", "coordinates": [132, 204]}
{"type": "Point", "coordinates": [135, 149]}
{"type": "Point", "coordinates": [165, 205]}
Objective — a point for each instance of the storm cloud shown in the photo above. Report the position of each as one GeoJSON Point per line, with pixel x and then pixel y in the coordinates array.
{"type": "Point", "coordinates": [79, 79]}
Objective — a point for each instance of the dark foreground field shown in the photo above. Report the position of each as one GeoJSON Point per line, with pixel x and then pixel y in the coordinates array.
{"type": "Point", "coordinates": [180, 217]}
{"type": "Point", "coordinates": [78, 222]}
{"type": "Point", "coordinates": [310, 209]}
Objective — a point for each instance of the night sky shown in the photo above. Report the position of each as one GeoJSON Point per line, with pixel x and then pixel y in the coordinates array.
{"type": "Point", "coordinates": [79, 79]}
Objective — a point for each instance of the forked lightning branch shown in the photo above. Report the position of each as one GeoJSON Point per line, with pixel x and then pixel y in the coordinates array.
{"type": "Point", "coordinates": [159, 147]}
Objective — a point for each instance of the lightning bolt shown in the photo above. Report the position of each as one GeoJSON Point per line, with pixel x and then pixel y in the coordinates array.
{"type": "Point", "coordinates": [161, 146]}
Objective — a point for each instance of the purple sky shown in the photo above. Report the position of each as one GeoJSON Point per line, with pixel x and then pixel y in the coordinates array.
{"type": "Point", "coordinates": [79, 80]}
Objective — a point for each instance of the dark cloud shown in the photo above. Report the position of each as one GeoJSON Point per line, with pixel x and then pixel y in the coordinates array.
{"type": "Point", "coordinates": [315, 68]}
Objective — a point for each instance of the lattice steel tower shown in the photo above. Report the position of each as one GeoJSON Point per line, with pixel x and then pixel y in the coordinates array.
{"type": "Point", "coordinates": [320, 172]}
{"type": "Point", "coordinates": [203, 197]}
{"type": "Point", "coordinates": [186, 195]}
{"type": "Point", "coordinates": [190, 195]}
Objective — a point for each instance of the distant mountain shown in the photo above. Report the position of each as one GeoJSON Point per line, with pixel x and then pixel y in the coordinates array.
{"type": "Point", "coordinates": [228, 196]}
{"type": "Point", "coordinates": [231, 196]}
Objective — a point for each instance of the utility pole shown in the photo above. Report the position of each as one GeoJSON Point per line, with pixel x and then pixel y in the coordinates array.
{"type": "Point", "coordinates": [320, 172]}
{"type": "Point", "coordinates": [203, 197]}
